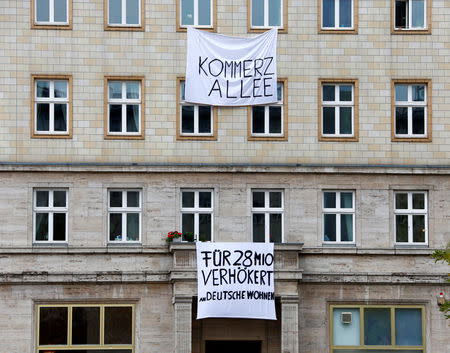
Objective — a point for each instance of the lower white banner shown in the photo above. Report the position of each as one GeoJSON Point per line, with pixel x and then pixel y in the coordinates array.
{"type": "Point", "coordinates": [235, 280]}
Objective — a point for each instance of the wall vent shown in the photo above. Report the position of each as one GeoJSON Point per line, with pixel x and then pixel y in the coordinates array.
{"type": "Point", "coordinates": [346, 317]}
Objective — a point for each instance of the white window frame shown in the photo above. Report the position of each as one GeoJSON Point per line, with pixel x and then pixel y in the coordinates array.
{"type": "Point", "coordinates": [123, 22]}
{"type": "Point", "coordinates": [410, 104]}
{"type": "Point", "coordinates": [124, 102]}
{"type": "Point", "coordinates": [211, 15]}
{"type": "Point", "coordinates": [338, 211]}
{"type": "Point", "coordinates": [51, 16]}
{"type": "Point", "coordinates": [279, 103]}
{"type": "Point", "coordinates": [51, 101]}
{"type": "Point", "coordinates": [124, 210]}
{"type": "Point", "coordinates": [50, 209]}
{"type": "Point", "coordinates": [197, 210]}
{"type": "Point", "coordinates": [409, 8]}
{"type": "Point", "coordinates": [337, 7]}
{"type": "Point", "coordinates": [410, 212]}
{"type": "Point", "coordinates": [267, 211]}
{"type": "Point", "coordinates": [266, 15]}
{"type": "Point", "coordinates": [196, 116]}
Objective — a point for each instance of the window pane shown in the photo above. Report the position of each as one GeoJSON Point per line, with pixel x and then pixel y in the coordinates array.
{"type": "Point", "coordinates": [274, 12]}
{"type": "Point", "coordinates": [53, 326]}
{"type": "Point", "coordinates": [182, 86]}
{"type": "Point", "coordinates": [408, 327]}
{"type": "Point", "coordinates": [346, 334]}
{"type": "Point", "coordinates": [401, 228]}
{"type": "Point", "coordinates": [418, 13]}
{"type": "Point", "coordinates": [60, 117]}
{"type": "Point", "coordinates": [60, 10]}
{"type": "Point", "coordinates": [204, 199]}
{"type": "Point", "coordinates": [42, 117]}
{"type": "Point", "coordinates": [115, 226]}
{"type": "Point", "coordinates": [187, 12]}
{"type": "Point", "coordinates": [187, 223]}
{"type": "Point", "coordinates": [329, 200]}
{"type": "Point", "coordinates": [132, 118]}
{"type": "Point", "coordinates": [275, 227]}
{"type": "Point", "coordinates": [187, 199]}
{"type": "Point", "coordinates": [400, 14]}
{"type": "Point", "coordinates": [329, 227]}
{"type": "Point", "coordinates": [275, 199]}
{"type": "Point", "coordinates": [401, 120]}
{"type": "Point", "coordinates": [133, 226]}
{"type": "Point", "coordinates": [43, 89]}
{"type": "Point", "coordinates": [115, 90]}
{"type": "Point", "coordinates": [401, 201]}
{"type": "Point", "coordinates": [346, 200]}
{"type": "Point", "coordinates": [59, 199]}
{"type": "Point", "coordinates": [328, 93]}
{"type": "Point", "coordinates": [418, 228]}
{"type": "Point", "coordinates": [59, 226]}
{"type": "Point", "coordinates": [115, 118]}
{"type": "Point", "coordinates": [132, 198]}
{"type": "Point", "coordinates": [345, 120]}
{"type": "Point", "coordinates": [345, 13]}
{"type": "Point", "coordinates": [279, 92]}
{"type": "Point", "coordinates": [418, 93]}
{"type": "Point", "coordinates": [204, 12]}
{"type": "Point", "coordinates": [204, 119]}
{"type": "Point", "coordinates": [345, 93]}
{"type": "Point", "coordinates": [257, 12]}
{"type": "Point", "coordinates": [204, 226]}
{"type": "Point", "coordinates": [115, 199]}
{"type": "Point", "coordinates": [42, 198]}
{"type": "Point", "coordinates": [132, 90]}
{"type": "Point", "coordinates": [258, 199]}
{"type": "Point", "coordinates": [418, 120]}
{"type": "Point", "coordinates": [258, 119]}
{"type": "Point", "coordinates": [328, 120]}
{"type": "Point", "coordinates": [259, 228]}
{"type": "Point", "coordinates": [275, 120]}
{"type": "Point", "coordinates": [115, 11]}
{"type": "Point", "coordinates": [118, 325]}
{"type": "Point", "coordinates": [401, 93]}
{"type": "Point", "coordinates": [377, 327]}
{"type": "Point", "coordinates": [42, 10]}
{"type": "Point", "coordinates": [187, 119]}
{"type": "Point", "coordinates": [41, 226]}
{"type": "Point", "coordinates": [132, 12]}
{"type": "Point", "coordinates": [328, 13]}
{"type": "Point", "coordinates": [86, 325]}
{"type": "Point", "coordinates": [60, 89]}
{"type": "Point", "coordinates": [346, 227]}
{"type": "Point", "coordinates": [418, 201]}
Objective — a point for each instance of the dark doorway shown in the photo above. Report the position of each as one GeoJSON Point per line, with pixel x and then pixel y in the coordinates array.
{"type": "Point", "coordinates": [232, 346]}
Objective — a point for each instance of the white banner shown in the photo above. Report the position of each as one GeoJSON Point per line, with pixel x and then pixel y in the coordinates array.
{"type": "Point", "coordinates": [235, 280]}
{"type": "Point", "coordinates": [223, 70]}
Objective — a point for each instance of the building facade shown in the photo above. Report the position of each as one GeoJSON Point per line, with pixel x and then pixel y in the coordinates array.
{"type": "Point", "coordinates": [101, 156]}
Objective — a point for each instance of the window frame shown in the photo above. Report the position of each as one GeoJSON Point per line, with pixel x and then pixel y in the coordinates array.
{"type": "Point", "coordinates": [338, 30]}
{"type": "Point", "coordinates": [355, 111]}
{"type": "Point", "coordinates": [197, 210]}
{"type": "Point", "coordinates": [421, 30]}
{"type": "Point", "coordinates": [50, 210]}
{"type": "Point", "coordinates": [267, 211]}
{"type": "Point", "coordinates": [283, 16]}
{"type": "Point", "coordinates": [194, 136]}
{"type": "Point", "coordinates": [427, 137]}
{"type": "Point", "coordinates": [339, 211]}
{"type": "Point", "coordinates": [267, 136]}
{"type": "Point", "coordinates": [140, 135]}
{"type": "Point", "coordinates": [34, 100]}
{"type": "Point", "coordinates": [140, 27]}
{"type": "Point", "coordinates": [362, 347]}
{"type": "Point", "coordinates": [51, 25]}
{"type": "Point", "coordinates": [211, 28]}
{"type": "Point", "coordinates": [69, 346]}
{"type": "Point", "coordinates": [124, 210]}
{"type": "Point", "coordinates": [410, 212]}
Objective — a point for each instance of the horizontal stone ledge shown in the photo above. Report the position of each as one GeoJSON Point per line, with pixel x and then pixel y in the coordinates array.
{"type": "Point", "coordinates": [374, 278]}
{"type": "Point", "coordinates": [64, 249]}
{"type": "Point", "coordinates": [344, 250]}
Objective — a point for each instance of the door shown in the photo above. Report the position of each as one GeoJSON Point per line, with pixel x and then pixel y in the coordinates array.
{"type": "Point", "coordinates": [232, 346]}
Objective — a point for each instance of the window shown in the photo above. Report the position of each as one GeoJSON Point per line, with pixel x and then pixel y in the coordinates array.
{"type": "Point", "coordinates": [411, 110]}
{"type": "Point", "coordinates": [265, 14]}
{"type": "Point", "coordinates": [339, 216]}
{"type": "Point", "coordinates": [51, 107]}
{"type": "Point", "coordinates": [411, 217]}
{"type": "Point", "coordinates": [338, 16]}
{"type": "Point", "coordinates": [87, 328]}
{"type": "Point", "coordinates": [50, 215]}
{"type": "Point", "coordinates": [51, 14]}
{"type": "Point", "coordinates": [124, 15]}
{"type": "Point", "coordinates": [267, 216]}
{"type": "Point", "coordinates": [338, 106]}
{"type": "Point", "coordinates": [197, 213]}
{"type": "Point", "coordinates": [197, 13]}
{"type": "Point", "coordinates": [195, 122]}
{"type": "Point", "coordinates": [381, 328]}
{"type": "Point", "coordinates": [124, 107]}
{"type": "Point", "coordinates": [411, 15]}
{"type": "Point", "coordinates": [124, 216]}
{"type": "Point", "coordinates": [269, 121]}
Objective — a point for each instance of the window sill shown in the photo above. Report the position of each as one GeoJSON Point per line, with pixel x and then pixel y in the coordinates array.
{"type": "Point", "coordinates": [267, 138]}
{"type": "Point", "coordinates": [196, 138]}
{"type": "Point", "coordinates": [183, 29]}
{"type": "Point", "coordinates": [410, 31]}
{"type": "Point", "coordinates": [338, 139]}
{"type": "Point", "coordinates": [52, 26]}
{"type": "Point", "coordinates": [261, 30]}
{"type": "Point", "coordinates": [412, 139]}
{"type": "Point", "coordinates": [338, 31]}
{"type": "Point", "coordinates": [125, 28]}
{"type": "Point", "coordinates": [51, 244]}
{"type": "Point", "coordinates": [124, 137]}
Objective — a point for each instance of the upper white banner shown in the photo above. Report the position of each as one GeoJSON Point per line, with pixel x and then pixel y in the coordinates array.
{"type": "Point", "coordinates": [223, 70]}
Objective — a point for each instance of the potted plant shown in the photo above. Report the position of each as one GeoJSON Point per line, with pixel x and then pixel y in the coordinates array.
{"type": "Point", "coordinates": [174, 236]}
{"type": "Point", "coordinates": [189, 237]}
